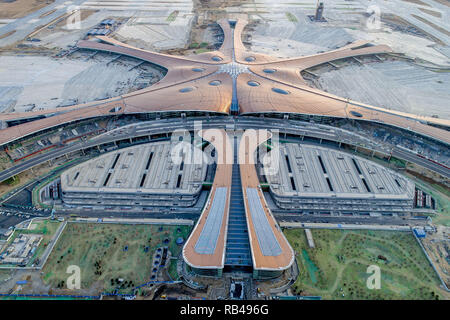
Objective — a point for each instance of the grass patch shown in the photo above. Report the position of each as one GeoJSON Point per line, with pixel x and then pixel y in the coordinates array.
{"type": "Point", "coordinates": [291, 17]}
{"type": "Point", "coordinates": [99, 251]}
{"type": "Point", "coordinates": [12, 181]}
{"type": "Point", "coordinates": [336, 268]}
{"type": "Point", "coordinates": [173, 269]}
{"type": "Point", "coordinates": [398, 162]}
{"type": "Point", "coordinates": [202, 50]}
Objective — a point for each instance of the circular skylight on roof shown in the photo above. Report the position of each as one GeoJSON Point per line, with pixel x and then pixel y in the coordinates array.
{"type": "Point", "coordinates": [356, 114]}
{"type": "Point", "coordinates": [217, 58]}
{"type": "Point", "coordinates": [250, 59]}
{"type": "Point", "coordinates": [252, 83]}
{"type": "Point", "coordinates": [280, 91]}
{"type": "Point", "coordinates": [269, 70]}
{"type": "Point", "coordinates": [215, 83]}
{"type": "Point", "coordinates": [198, 69]}
{"type": "Point", "coordinates": [187, 89]}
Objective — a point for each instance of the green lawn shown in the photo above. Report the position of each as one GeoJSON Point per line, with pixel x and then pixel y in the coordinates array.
{"type": "Point", "coordinates": [12, 181]}
{"type": "Point", "coordinates": [291, 17]}
{"type": "Point", "coordinates": [194, 45]}
{"type": "Point", "coordinates": [99, 251]}
{"type": "Point", "coordinates": [202, 50]}
{"type": "Point", "coordinates": [336, 267]}
{"type": "Point", "coordinates": [173, 269]}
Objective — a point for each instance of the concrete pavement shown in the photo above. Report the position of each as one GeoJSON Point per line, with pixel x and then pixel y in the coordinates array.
{"type": "Point", "coordinates": [138, 221]}
{"type": "Point", "coordinates": [344, 226]}
{"type": "Point", "coordinates": [26, 25]}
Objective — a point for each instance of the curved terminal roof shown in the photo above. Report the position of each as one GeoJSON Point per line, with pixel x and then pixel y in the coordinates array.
{"type": "Point", "coordinates": [270, 249]}
{"type": "Point", "coordinates": [282, 88]}
{"type": "Point", "coordinates": [205, 247]}
{"type": "Point", "coordinates": [275, 97]}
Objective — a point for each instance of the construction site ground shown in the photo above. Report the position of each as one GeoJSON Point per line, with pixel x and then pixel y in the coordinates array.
{"type": "Point", "coordinates": [39, 82]}
{"type": "Point", "coordinates": [282, 30]}
{"type": "Point", "coordinates": [437, 246]}
{"type": "Point", "coordinates": [20, 8]}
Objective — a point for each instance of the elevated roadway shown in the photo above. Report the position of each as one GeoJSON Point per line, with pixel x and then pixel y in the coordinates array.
{"type": "Point", "coordinates": [205, 248]}
{"type": "Point", "coordinates": [269, 247]}
{"type": "Point", "coordinates": [166, 126]}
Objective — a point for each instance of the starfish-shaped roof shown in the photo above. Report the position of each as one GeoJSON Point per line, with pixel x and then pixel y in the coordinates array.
{"type": "Point", "coordinates": [230, 79]}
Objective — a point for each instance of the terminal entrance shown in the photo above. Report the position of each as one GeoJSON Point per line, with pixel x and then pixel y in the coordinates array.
{"type": "Point", "coordinates": [238, 257]}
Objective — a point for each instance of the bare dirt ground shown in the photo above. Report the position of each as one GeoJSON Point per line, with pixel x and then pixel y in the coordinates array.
{"type": "Point", "coordinates": [7, 34]}
{"type": "Point", "coordinates": [396, 85]}
{"type": "Point", "coordinates": [444, 2]}
{"type": "Point", "coordinates": [431, 12]}
{"type": "Point", "coordinates": [21, 8]}
{"type": "Point", "coordinates": [84, 14]}
{"type": "Point", "coordinates": [417, 2]}
{"type": "Point", "coordinates": [434, 26]}
{"type": "Point", "coordinates": [438, 248]}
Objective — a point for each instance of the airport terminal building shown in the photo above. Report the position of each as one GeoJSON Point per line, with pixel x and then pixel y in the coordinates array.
{"type": "Point", "coordinates": [313, 179]}
{"type": "Point", "coordinates": [143, 176]}
{"type": "Point", "coordinates": [236, 231]}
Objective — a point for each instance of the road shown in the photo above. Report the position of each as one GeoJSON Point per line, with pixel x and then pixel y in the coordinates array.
{"type": "Point", "coordinates": [169, 125]}
{"type": "Point", "coordinates": [292, 217]}
{"type": "Point", "coordinates": [281, 217]}
{"type": "Point", "coordinates": [129, 214]}
{"type": "Point", "coordinates": [28, 164]}
{"type": "Point", "coordinates": [102, 139]}
{"type": "Point", "coordinates": [344, 226]}
{"type": "Point", "coordinates": [138, 220]}
{"type": "Point", "coordinates": [411, 157]}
